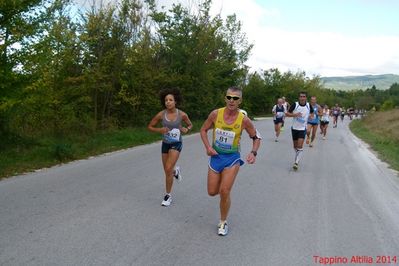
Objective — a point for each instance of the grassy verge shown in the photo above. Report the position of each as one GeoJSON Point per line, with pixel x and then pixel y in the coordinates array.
{"type": "Point", "coordinates": [47, 152]}
{"type": "Point", "coordinates": [381, 131]}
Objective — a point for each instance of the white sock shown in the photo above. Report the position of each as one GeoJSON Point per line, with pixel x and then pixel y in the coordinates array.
{"type": "Point", "coordinates": [298, 155]}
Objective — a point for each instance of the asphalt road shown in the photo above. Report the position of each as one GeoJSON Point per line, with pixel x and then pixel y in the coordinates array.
{"type": "Point", "coordinates": [342, 202]}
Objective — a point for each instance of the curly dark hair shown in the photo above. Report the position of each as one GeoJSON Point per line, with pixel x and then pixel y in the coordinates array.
{"type": "Point", "coordinates": [174, 91]}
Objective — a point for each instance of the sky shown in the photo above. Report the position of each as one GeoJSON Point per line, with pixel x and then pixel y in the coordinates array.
{"type": "Point", "coordinates": [320, 37]}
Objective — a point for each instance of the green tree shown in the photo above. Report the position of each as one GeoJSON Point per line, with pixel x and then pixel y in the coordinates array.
{"type": "Point", "coordinates": [264, 90]}
{"type": "Point", "coordinates": [387, 105]}
{"type": "Point", "coordinates": [61, 75]}
{"type": "Point", "coordinates": [201, 55]}
{"type": "Point", "coordinates": [103, 40]}
{"type": "Point", "coordinates": [393, 93]}
{"type": "Point", "coordinates": [255, 101]}
{"type": "Point", "coordinates": [53, 103]}
{"type": "Point", "coordinates": [21, 25]}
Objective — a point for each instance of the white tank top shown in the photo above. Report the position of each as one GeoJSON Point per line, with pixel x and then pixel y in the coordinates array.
{"type": "Point", "coordinates": [299, 123]}
{"type": "Point", "coordinates": [326, 115]}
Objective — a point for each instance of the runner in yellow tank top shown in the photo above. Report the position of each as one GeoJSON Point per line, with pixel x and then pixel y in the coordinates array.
{"type": "Point", "coordinates": [226, 137]}
{"type": "Point", "coordinates": [227, 124]}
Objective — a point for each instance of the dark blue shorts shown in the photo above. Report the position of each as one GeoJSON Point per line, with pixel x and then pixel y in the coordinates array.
{"type": "Point", "coordinates": [313, 123]}
{"type": "Point", "coordinates": [218, 163]}
{"type": "Point", "coordinates": [278, 121]}
{"type": "Point", "coordinates": [298, 134]}
{"type": "Point", "coordinates": [174, 146]}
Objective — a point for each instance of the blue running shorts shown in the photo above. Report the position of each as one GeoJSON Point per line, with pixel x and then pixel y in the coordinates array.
{"type": "Point", "coordinates": [219, 162]}
{"type": "Point", "coordinates": [278, 121]}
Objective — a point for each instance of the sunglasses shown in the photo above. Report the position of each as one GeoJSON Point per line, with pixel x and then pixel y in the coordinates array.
{"type": "Point", "coordinates": [234, 98]}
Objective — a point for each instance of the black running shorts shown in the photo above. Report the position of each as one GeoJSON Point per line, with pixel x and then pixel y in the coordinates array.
{"type": "Point", "coordinates": [298, 134]}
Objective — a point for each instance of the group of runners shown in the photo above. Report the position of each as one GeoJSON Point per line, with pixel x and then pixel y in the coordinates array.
{"type": "Point", "coordinates": [341, 112]}
{"type": "Point", "coordinates": [307, 117]}
{"type": "Point", "coordinates": [227, 124]}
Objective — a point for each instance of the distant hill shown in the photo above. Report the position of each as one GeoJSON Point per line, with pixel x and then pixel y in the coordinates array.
{"type": "Point", "coordinates": [381, 82]}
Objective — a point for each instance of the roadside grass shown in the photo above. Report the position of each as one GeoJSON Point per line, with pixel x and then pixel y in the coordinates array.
{"type": "Point", "coordinates": [381, 131]}
{"type": "Point", "coordinates": [45, 152]}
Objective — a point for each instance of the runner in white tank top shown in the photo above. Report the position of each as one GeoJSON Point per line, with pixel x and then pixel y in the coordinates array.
{"type": "Point", "coordinates": [324, 121]}
{"type": "Point", "coordinates": [300, 111]}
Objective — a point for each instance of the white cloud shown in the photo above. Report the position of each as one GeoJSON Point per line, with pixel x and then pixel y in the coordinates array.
{"type": "Point", "coordinates": [316, 53]}
{"type": "Point", "coordinates": [322, 53]}
{"type": "Point", "coordinates": [325, 53]}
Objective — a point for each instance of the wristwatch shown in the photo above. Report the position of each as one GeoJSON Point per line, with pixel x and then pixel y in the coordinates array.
{"type": "Point", "coordinates": [254, 153]}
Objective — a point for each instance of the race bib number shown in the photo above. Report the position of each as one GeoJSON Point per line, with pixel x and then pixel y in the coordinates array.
{"type": "Point", "coordinates": [300, 119]}
{"type": "Point", "coordinates": [279, 114]}
{"type": "Point", "coordinates": [324, 117]}
{"type": "Point", "coordinates": [224, 139]}
{"type": "Point", "coordinates": [173, 135]}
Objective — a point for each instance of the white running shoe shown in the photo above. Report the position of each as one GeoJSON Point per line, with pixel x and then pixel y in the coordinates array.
{"type": "Point", "coordinates": [167, 200]}
{"type": "Point", "coordinates": [223, 229]}
{"type": "Point", "coordinates": [177, 174]}
{"type": "Point", "coordinates": [324, 138]}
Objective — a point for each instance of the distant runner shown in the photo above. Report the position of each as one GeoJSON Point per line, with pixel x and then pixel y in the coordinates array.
{"type": "Point", "coordinates": [342, 114]}
{"type": "Point", "coordinates": [313, 123]}
{"type": "Point", "coordinates": [278, 117]}
{"type": "Point", "coordinates": [336, 111]}
{"type": "Point", "coordinates": [286, 107]}
{"type": "Point", "coordinates": [325, 120]}
{"type": "Point", "coordinates": [351, 112]}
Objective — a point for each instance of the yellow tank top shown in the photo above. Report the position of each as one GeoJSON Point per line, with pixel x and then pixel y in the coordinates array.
{"type": "Point", "coordinates": [226, 138]}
